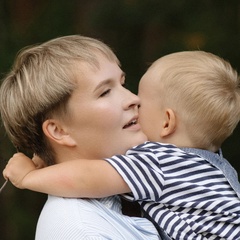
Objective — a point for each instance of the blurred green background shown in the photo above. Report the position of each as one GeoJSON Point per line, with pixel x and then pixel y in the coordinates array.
{"type": "Point", "coordinates": [139, 31]}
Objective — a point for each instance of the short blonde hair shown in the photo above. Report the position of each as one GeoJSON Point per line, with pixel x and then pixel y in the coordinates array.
{"type": "Point", "coordinates": [41, 82]}
{"type": "Point", "coordinates": [204, 90]}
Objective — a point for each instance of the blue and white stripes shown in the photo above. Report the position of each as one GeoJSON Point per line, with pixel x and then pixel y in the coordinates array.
{"type": "Point", "coordinates": [187, 196]}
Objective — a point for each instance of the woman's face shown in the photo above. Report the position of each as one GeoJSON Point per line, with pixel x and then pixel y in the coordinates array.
{"type": "Point", "coordinates": [103, 117]}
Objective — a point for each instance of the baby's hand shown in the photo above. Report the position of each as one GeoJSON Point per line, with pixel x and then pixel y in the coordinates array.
{"type": "Point", "coordinates": [17, 169]}
{"type": "Point", "coordinates": [39, 163]}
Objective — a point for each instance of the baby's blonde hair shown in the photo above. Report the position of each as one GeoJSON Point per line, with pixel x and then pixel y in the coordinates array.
{"type": "Point", "coordinates": [204, 91]}
{"type": "Point", "coordinates": [40, 84]}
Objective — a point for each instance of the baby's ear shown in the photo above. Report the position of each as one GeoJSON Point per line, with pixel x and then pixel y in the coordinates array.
{"type": "Point", "coordinates": [55, 131]}
{"type": "Point", "coordinates": [169, 123]}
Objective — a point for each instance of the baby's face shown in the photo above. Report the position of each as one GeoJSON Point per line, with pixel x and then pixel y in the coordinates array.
{"type": "Point", "coordinates": [151, 110]}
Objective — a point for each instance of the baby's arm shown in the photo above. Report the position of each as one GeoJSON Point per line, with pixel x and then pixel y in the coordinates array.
{"type": "Point", "coordinates": [76, 178]}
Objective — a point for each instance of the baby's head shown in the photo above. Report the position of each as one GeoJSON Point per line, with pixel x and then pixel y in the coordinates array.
{"type": "Point", "coordinates": [196, 89]}
{"type": "Point", "coordinates": [40, 84]}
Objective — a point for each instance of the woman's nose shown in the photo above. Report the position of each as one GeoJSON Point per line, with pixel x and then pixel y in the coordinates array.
{"type": "Point", "coordinates": [132, 100]}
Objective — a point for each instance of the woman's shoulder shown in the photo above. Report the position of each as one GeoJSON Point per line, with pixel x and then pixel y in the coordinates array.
{"type": "Point", "coordinates": [64, 217]}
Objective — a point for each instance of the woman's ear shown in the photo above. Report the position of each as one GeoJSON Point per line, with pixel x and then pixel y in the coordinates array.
{"type": "Point", "coordinates": [169, 123]}
{"type": "Point", "coordinates": [54, 130]}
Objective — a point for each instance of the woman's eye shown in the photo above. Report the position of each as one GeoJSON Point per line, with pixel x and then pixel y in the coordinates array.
{"type": "Point", "coordinates": [105, 93]}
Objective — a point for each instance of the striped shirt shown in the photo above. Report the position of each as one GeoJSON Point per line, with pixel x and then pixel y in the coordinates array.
{"type": "Point", "coordinates": [182, 192]}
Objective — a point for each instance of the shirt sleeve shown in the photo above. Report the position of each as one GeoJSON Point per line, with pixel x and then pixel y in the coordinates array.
{"type": "Point", "coordinates": [140, 169]}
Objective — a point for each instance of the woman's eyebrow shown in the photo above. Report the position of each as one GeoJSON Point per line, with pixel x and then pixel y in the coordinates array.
{"type": "Point", "coordinates": [107, 81]}
{"type": "Point", "coordinates": [102, 83]}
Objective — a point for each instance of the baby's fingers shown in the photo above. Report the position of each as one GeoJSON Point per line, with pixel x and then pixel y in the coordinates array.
{"type": "Point", "coordinates": [39, 163]}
